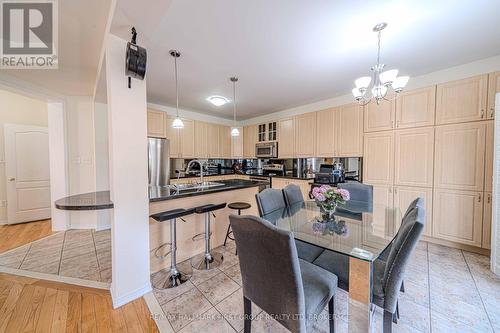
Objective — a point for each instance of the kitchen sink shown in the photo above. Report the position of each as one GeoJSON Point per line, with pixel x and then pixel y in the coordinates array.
{"type": "Point", "coordinates": [194, 186]}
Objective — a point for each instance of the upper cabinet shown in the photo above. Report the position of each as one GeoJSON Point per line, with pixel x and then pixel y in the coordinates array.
{"type": "Point", "coordinates": [378, 162]}
{"type": "Point", "coordinates": [349, 131]}
{"type": "Point", "coordinates": [325, 133]}
{"type": "Point", "coordinates": [414, 157]}
{"type": "Point", "coordinates": [462, 101]}
{"type": "Point", "coordinates": [267, 132]}
{"type": "Point", "coordinates": [237, 145]}
{"type": "Point", "coordinates": [286, 138]}
{"type": "Point", "coordinates": [187, 140]}
{"type": "Point", "coordinates": [459, 156]}
{"type": "Point", "coordinates": [305, 137]}
{"type": "Point", "coordinates": [225, 141]}
{"type": "Point", "coordinates": [213, 140]}
{"type": "Point", "coordinates": [174, 137]}
{"type": "Point", "coordinates": [380, 117]}
{"type": "Point", "coordinates": [156, 124]}
{"type": "Point", "coordinates": [201, 139]}
{"type": "Point", "coordinates": [415, 108]}
{"type": "Point", "coordinates": [249, 141]}
{"type": "Point", "coordinates": [493, 89]}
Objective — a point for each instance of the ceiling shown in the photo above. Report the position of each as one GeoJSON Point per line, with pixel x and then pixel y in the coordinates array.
{"type": "Point", "coordinates": [291, 52]}
{"type": "Point", "coordinates": [81, 32]}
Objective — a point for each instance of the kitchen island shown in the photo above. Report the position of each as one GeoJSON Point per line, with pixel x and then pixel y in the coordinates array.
{"type": "Point", "coordinates": [163, 199]}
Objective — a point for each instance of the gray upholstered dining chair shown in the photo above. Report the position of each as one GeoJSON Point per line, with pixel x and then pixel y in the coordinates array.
{"type": "Point", "coordinates": [294, 198]}
{"type": "Point", "coordinates": [388, 275]}
{"type": "Point", "coordinates": [270, 200]}
{"type": "Point", "coordinates": [290, 289]}
{"type": "Point", "coordinates": [388, 269]}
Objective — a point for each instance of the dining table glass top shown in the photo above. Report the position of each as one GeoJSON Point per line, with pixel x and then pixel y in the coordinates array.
{"type": "Point", "coordinates": [361, 230]}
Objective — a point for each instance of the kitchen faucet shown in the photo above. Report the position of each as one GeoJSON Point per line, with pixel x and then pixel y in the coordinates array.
{"type": "Point", "coordinates": [190, 164]}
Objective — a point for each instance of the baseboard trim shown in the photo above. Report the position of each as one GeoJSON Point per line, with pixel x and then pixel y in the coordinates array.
{"type": "Point", "coordinates": [456, 245]}
{"type": "Point", "coordinates": [119, 301]}
{"type": "Point", "coordinates": [157, 313]}
{"type": "Point", "coordinates": [56, 278]}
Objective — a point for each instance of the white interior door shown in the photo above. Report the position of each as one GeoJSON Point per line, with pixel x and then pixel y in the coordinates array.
{"type": "Point", "coordinates": [27, 172]}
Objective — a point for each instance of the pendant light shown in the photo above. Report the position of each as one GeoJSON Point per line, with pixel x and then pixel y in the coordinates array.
{"type": "Point", "coordinates": [234, 131]}
{"type": "Point", "coordinates": [177, 123]}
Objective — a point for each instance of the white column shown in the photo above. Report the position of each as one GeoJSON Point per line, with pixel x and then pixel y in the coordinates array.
{"type": "Point", "coordinates": [495, 223]}
{"type": "Point", "coordinates": [127, 123]}
{"type": "Point", "coordinates": [58, 164]}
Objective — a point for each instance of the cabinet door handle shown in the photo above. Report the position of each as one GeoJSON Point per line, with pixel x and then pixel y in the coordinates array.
{"type": "Point", "coordinates": [489, 198]}
{"type": "Point", "coordinates": [482, 113]}
{"type": "Point", "coordinates": [397, 123]}
{"type": "Point", "coordinates": [492, 113]}
{"type": "Point", "coordinates": [479, 198]}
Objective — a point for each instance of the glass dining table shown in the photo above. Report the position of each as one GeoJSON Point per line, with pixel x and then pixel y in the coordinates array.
{"type": "Point", "coordinates": [361, 231]}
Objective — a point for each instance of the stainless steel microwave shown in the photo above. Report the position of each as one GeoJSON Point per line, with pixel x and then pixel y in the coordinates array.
{"type": "Point", "coordinates": [266, 150]}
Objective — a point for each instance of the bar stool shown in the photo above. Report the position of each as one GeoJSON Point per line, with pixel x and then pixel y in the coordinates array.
{"type": "Point", "coordinates": [238, 206]}
{"type": "Point", "coordinates": [207, 260]}
{"type": "Point", "coordinates": [174, 277]}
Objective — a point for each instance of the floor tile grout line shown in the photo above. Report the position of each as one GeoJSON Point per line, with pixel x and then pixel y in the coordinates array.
{"type": "Point", "coordinates": [478, 292]}
{"type": "Point", "coordinates": [60, 258]}
{"type": "Point", "coordinates": [25, 255]}
{"type": "Point", "coordinates": [96, 257]}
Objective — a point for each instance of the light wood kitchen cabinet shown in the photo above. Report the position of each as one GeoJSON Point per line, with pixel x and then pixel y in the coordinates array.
{"type": "Point", "coordinates": [213, 140]}
{"type": "Point", "coordinates": [493, 89]}
{"type": "Point", "coordinates": [326, 133]}
{"type": "Point", "coordinates": [414, 157]}
{"type": "Point", "coordinates": [487, 213]}
{"type": "Point", "coordinates": [458, 216]}
{"type": "Point", "coordinates": [349, 131]}
{"type": "Point", "coordinates": [488, 158]}
{"type": "Point", "coordinates": [286, 138]}
{"type": "Point", "coordinates": [201, 139]}
{"type": "Point", "coordinates": [459, 156]}
{"type": "Point", "coordinates": [380, 117]}
{"type": "Point", "coordinates": [462, 100]}
{"type": "Point", "coordinates": [187, 139]}
{"type": "Point", "coordinates": [173, 135]}
{"type": "Point", "coordinates": [404, 196]}
{"type": "Point", "coordinates": [249, 141]}
{"type": "Point", "coordinates": [305, 135]}
{"type": "Point", "coordinates": [156, 124]}
{"type": "Point", "coordinates": [378, 161]}
{"type": "Point", "coordinates": [416, 108]}
{"type": "Point", "coordinates": [383, 217]}
{"type": "Point", "coordinates": [225, 141]}
{"type": "Point", "coordinates": [305, 186]}
{"type": "Point", "coordinates": [237, 145]}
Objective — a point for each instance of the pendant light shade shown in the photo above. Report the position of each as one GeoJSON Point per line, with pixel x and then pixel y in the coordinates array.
{"type": "Point", "coordinates": [235, 131]}
{"type": "Point", "coordinates": [177, 123]}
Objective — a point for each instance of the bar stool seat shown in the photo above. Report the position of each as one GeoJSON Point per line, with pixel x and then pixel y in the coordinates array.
{"type": "Point", "coordinates": [170, 277]}
{"type": "Point", "coordinates": [239, 206]}
{"type": "Point", "coordinates": [210, 259]}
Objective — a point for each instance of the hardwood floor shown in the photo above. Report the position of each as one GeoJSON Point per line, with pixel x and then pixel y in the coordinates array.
{"type": "Point", "coordinates": [33, 305]}
{"type": "Point", "coordinates": [12, 236]}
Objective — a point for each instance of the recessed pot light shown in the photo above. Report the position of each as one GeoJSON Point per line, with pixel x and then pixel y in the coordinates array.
{"type": "Point", "coordinates": [217, 100]}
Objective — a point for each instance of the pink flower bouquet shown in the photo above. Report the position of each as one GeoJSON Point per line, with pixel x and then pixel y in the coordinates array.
{"type": "Point", "coordinates": [327, 198]}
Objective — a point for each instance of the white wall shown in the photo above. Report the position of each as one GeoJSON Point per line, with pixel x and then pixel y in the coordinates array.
{"type": "Point", "coordinates": [16, 109]}
{"type": "Point", "coordinates": [101, 146]}
{"type": "Point", "coordinates": [127, 124]}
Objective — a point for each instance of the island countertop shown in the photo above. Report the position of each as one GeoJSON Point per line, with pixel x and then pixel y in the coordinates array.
{"type": "Point", "coordinates": [86, 201]}
{"type": "Point", "coordinates": [161, 193]}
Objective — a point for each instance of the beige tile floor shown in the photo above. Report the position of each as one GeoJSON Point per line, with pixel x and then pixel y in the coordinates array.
{"type": "Point", "coordinates": [447, 290]}
{"type": "Point", "coordinates": [83, 254]}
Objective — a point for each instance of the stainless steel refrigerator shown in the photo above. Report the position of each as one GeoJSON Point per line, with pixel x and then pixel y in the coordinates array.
{"type": "Point", "coordinates": [159, 162]}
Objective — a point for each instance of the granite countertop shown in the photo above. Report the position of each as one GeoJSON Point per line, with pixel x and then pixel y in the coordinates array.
{"type": "Point", "coordinates": [161, 193]}
{"type": "Point", "coordinates": [223, 173]}
{"type": "Point", "coordinates": [295, 177]}
{"type": "Point", "coordinates": [86, 201]}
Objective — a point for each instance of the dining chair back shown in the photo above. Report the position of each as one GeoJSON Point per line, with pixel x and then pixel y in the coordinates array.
{"type": "Point", "coordinates": [275, 279]}
{"type": "Point", "coordinates": [293, 195]}
{"type": "Point", "coordinates": [270, 200]}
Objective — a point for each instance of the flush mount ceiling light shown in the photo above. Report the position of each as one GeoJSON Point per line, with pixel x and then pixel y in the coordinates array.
{"type": "Point", "coordinates": [382, 81]}
{"type": "Point", "coordinates": [234, 131]}
{"type": "Point", "coordinates": [218, 100]}
{"type": "Point", "coordinates": [177, 123]}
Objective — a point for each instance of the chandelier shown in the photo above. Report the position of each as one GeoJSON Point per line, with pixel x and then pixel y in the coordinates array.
{"type": "Point", "coordinates": [382, 81]}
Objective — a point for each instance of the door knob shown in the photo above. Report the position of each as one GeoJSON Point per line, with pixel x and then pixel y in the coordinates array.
{"type": "Point", "coordinates": [12, 179]}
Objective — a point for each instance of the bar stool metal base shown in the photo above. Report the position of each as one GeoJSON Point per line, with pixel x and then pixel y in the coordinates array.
{"type": "Point", "coordinates": [204, 262]}
{"type": "Point", "coordinates": [170, 278]}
